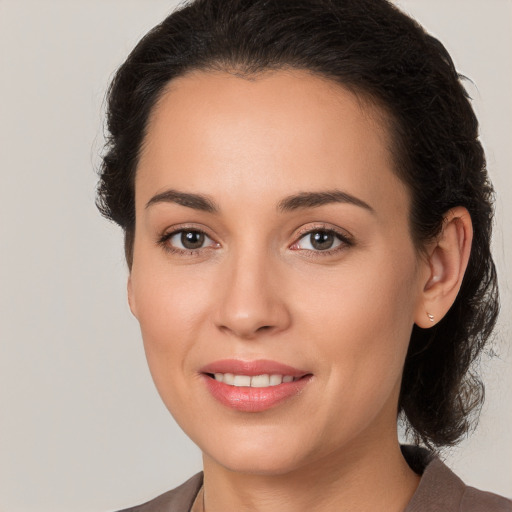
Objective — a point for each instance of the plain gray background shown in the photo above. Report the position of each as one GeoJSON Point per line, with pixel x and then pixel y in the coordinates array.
{"type": "Point", "coordinates": [81, 426]}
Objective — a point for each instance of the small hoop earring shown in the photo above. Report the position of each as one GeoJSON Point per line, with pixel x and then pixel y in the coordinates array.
{"type": "Point", "coordinates": [430, 317]}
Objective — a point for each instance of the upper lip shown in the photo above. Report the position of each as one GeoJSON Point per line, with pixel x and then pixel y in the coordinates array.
{"type": "Point", "coordinates": [252, 368]}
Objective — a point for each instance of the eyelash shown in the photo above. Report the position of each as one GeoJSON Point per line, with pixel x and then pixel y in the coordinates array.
{"type": "Point", "coordinates": [344, 239]}
{"type": "Point", "coordinates": [163, 241]}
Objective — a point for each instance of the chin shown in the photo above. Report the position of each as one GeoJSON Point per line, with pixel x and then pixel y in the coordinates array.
{"type": "Point", "coordinates": [259, 453]}
{"type": "Point", "coordinates": [260, 463]}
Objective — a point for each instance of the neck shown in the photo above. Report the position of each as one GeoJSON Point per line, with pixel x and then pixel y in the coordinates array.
{"type": "Point", "coordinates": [361, 478]}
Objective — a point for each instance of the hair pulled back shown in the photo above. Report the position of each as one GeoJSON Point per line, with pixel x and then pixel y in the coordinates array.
{"type": "Point", "coordinates": [378, 52]}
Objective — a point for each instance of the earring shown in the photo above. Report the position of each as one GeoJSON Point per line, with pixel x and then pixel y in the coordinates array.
{"type": "Point", "coordinates": [430, 317]}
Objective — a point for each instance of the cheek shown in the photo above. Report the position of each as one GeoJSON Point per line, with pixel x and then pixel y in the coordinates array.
{"type": "Point", "coordinates": [171, 308]}
{"type": "Point", "coordinates": [362, 316]}
{"type": "Point", "coordinates": [169, 299]}
{"type": "Point", "coordinates": [169, 317]}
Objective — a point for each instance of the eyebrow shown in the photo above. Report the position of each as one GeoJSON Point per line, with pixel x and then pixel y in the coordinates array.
{"type": "Point", "coordinates": [316, 199]}
{"type": "Point", "coordinates": [195, 201]}
{"type": "Point", "coordinates": [295, 202]}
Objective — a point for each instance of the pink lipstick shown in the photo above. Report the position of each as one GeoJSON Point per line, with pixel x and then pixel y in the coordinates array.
{"type": "Point", "coordinates": [253, 386]}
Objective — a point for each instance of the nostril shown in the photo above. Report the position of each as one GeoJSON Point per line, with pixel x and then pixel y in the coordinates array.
{"type": "Point", "coordinates": [264, 328]}
{"type": "Point", "coordinates": [246, 332]}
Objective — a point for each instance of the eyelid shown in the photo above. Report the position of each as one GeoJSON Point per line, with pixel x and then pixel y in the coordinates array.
{"type": "Point", "coordinates": [345, 238]}
{"type": "Point", "coordinates": [343, 234]}
{"type": "Point", "coordinates": [164, 237]}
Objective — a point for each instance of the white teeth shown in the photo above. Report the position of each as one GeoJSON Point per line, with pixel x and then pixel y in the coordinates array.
{"type": "Point", "coordinates": [257, 381]}
{"type": "Point", "coordinates": [260, 381]}
{"type": "Point", "coordinates": [229, 378]}
{"type": "Point", "coordinates": [275, 380]}
{"type": "Point", "coordinates": [242, 380]}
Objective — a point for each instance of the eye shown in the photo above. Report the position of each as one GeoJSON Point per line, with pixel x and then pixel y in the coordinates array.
{"type": "Point", "coordinates": [187, 240]}
{"type": "Point", "coordinates": [321, 240]}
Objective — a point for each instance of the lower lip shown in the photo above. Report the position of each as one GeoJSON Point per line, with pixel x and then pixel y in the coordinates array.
{"type": "Point", "coordinates": [249, 399]}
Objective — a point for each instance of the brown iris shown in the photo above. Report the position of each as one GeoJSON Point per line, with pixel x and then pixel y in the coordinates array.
{"type": "Point", "coordinates": [192, 239]}
{"type": "Point", "coordinates": [321, 240]}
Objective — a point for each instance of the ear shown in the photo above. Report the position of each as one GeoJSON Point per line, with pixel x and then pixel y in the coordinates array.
{"type": "Point", "coordinates": [446, 263]}
{"type": "Point", "coordinates": [131, 298]}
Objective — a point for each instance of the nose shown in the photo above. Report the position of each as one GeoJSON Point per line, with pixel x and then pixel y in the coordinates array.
{"type": "Point", "coordinates": [253, 299]}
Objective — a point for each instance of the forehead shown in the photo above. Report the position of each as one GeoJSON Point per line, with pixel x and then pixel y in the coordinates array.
{"type": "Point", "coordinates": [218, 133]}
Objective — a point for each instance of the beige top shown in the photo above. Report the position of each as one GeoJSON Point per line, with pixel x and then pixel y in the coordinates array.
{"type": "Point", "coordinates": [440, 490]}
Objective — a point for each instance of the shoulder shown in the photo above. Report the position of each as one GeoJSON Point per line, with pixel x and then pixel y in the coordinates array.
{"type": "Point", "coordinates": [441, 489]}
{"type": "Point", "coordinates": [475, 501]}
{"type": "Point", "coordinates": [179, 499]}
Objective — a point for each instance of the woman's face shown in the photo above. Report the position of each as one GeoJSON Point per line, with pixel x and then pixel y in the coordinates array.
{"type": "Point", "coordinates": [272, 245]}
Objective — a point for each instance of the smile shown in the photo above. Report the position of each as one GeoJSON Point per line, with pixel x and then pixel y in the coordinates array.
{"type": "Point", "coordinates": [256, 381]}
{"type": "Point", "coordinates": [254, 386]}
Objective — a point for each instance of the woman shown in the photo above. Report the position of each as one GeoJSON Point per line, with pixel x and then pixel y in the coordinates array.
{"type": "Point", "coordinates": [307, 222]}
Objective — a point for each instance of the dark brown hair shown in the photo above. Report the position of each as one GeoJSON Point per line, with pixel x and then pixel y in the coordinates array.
{"type": "Point", "coordinates": [377, 51]}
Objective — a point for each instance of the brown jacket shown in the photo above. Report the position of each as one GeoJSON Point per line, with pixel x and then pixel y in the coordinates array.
{"type": "Point", "coordinates": [440, 490]}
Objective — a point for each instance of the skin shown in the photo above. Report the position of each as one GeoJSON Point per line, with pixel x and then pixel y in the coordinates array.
{"type": "Point", "coordinates": [258, 289]}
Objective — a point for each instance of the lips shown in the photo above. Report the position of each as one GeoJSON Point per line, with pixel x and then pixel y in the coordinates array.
{"type": "Point", "coordinates": [253, 386]}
